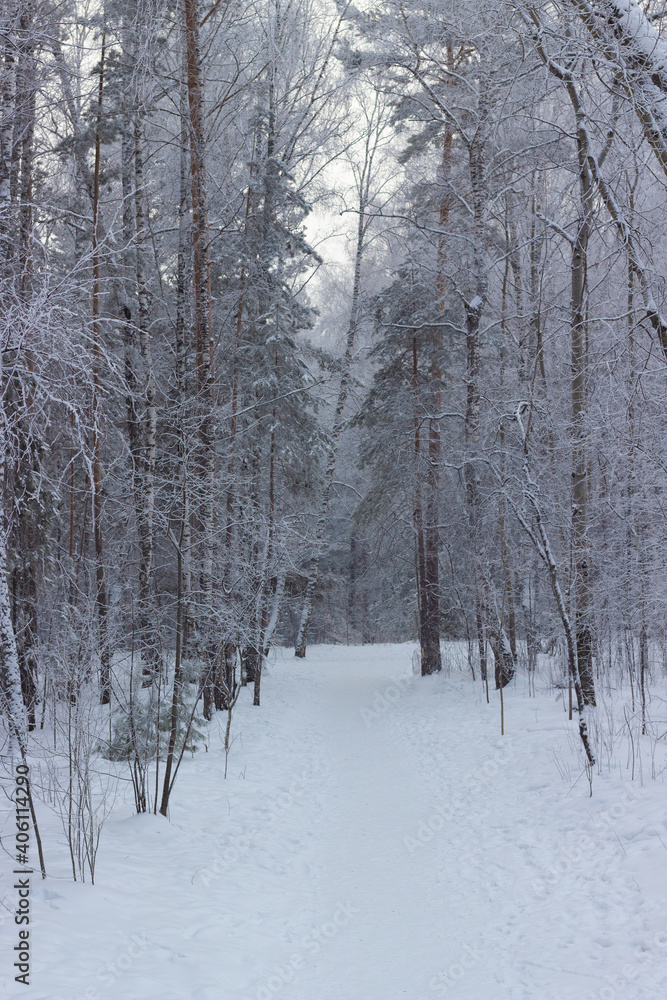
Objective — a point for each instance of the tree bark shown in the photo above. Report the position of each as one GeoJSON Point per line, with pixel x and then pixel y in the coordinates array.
{"type": "Point", "coordinates": [101, 590]}
{"type": "Point", "coordinates": [10, 672]}
{"type": "Point", "coordinates": [147, 610]}
{"type": "Point", "coordinates": [183, 348]}
{"type": "Point", "coordinates": [579, 362]}
{"type": "Point", "coordinates": [7, 119]}
{"type": "Point", "coordinates": [429, 633]}
{"type": "Point", "coordinates": [473, 307]}
{"type": "Point", "coordinates": [204, 341]}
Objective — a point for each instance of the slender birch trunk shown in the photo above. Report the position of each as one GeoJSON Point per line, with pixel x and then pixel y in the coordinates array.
{"type": "Point", "coordinates": [182, 351]}
{"type": "Point", "coordinates": [184, 544]}
{"type": "Point", "coordinates": [418, 512]}
{"type": "Point", "coordinates": [513, 264]}
{"type": "Point", "coordinates": [24, 577]}
{"type": "Point", "coordinates": [636, 541]}
{"type": "Point", "coordinates": [101, 594]}
{"type": "Point", "coordinates": [267, 562]}
{"type": "Point", "coordinates": [7, 122]}
{"type": "Point", "coordinates": [579, 362]}
{"type": "Point", "coordinates": [25, 134]}
{"type": "Point", "coordinates": [7, 119]}
{"type": "Point", "coordinates": [11, 694]}
{"type": "Point", "coordinates": [473, 313]}
{"type": "Point", "coordinates": [177, 684]}
{"type": "Point", "coordinates": [10, 673]}
{"type": "Point", "coordinates": [147, 611]}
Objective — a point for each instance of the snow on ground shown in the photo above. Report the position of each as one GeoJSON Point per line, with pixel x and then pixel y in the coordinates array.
{"type": "Point", "coordinates": [376, 839]}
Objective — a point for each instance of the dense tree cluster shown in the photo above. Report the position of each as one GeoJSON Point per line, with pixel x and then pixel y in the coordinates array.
{"type": "Point", "coordinates": [215, 438]}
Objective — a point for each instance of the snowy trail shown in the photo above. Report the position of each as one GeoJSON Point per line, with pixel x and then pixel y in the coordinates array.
{"type": "Point", "coordinates": [386, 896]}
{"type": "Point", "coordinates": [446, 879]}
{"type": "Point", "coordinates": [402, 855]}
{"type": "Point", "coordinates": [376, 839]}
{"type": "Point", "coordinates": [396, 860]}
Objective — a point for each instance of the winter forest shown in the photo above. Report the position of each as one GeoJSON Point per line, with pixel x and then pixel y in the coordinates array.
{"type": "Point", "coordinates": [334, 352]}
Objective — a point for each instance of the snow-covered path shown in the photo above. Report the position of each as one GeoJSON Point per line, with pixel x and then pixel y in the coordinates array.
{"type": "Point", "coordinates": [376, 839]}
{"type": "Point", "coordinates": [385, 897]}
{"type": "Point", "coordinates": [453, 870]}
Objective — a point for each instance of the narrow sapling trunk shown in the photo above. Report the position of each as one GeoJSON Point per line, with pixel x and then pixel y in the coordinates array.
{"type": "Point", "coordinates": [177, 685]}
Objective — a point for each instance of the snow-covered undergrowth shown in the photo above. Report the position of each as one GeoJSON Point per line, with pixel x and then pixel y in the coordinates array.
{"type": "Point", "coordinates": [376, 839]}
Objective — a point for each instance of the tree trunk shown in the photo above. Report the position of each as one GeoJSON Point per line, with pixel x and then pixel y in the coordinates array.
{"type": "Point", "coordinates": [503, 656]}
{"type": "Point", "coordinates": [204, 339]}
{"type": "Point", "coordinates": [10, 673]}
{"type": "Point", "coordinates": [183, 548]}
{"type": "Point", "coordinates": [176, 689]}
{"type": "Point", "coordinates": [473, 307]}
{"type": "Point", "coordinates": [147, 610]}
{"type": "Point", "coordinates": [29, 464]}
{"type": "Point", "coordinates": [7, 117]}
{"type": "Point", "coordinates": [182, 352]}
{"type": "Point", "coordinates": [25, 134]}
{"type": "Point", "coordinates": [101, 590]}
{"type": "Point", "coordinates": [267, 563]}
{"type": "Point", "coordinates": [579, 361]}
{"type": "Point", "coordinates": [429, 631]}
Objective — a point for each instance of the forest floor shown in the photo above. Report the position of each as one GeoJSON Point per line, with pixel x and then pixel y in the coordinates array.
{"type": "Point", "coordinates": [376, 838]}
